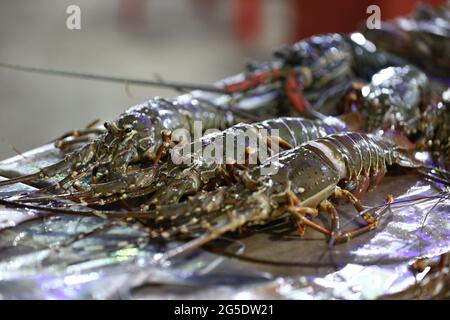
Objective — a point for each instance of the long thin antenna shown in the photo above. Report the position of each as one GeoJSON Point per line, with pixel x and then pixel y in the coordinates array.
{"type": "Point", "coordinates": [140, 82]}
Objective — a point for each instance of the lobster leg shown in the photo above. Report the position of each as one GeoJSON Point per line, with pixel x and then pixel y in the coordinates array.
{"type": "Point", "coordinates": [292, 89]}
{"type": "Point", "coordinates": [352, 96]}
{"type": "Point", "coordinates": [344, 237]}
{"type": "Point", "coordinates": [81, 135]}
{"type": "Point", "coordinates": [66, 144]}
{"type": "Point", "coordinates": [293, 200]}
{"type": "Point", "coordinates": [298, 212]}
{"type": "Point", "coordinates": [335, 234]}
{"type": "Point", "coordinates": [231, 176]}
{"type": "Point", "coordinates": [166, 144]}
{"type": "Point", "coordinates": [299, 215]}
{"type": "Point", "coordinates": [77, 136]}
{"type": "Point", "coordinates": [372, 223]}
{"type": "Point", "coordinates": [253, 81]}
{"type": "Point", "coordinates": [328, 207]}
{"type": "Point", "coordinates": [301, 221]}
{"type": "Point", "coordinates": [342, 193]}
{"type": "Point", "coordinates": [86, 130]}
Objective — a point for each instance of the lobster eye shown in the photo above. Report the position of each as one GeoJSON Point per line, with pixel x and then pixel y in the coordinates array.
{"type": "Point", "coordinates": [128, 130]}
{"type": "Point", "coordinates": [106, 124]}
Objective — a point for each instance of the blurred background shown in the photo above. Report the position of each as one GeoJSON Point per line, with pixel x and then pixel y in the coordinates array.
{"type": "Point", "coordinates": [199, 41]}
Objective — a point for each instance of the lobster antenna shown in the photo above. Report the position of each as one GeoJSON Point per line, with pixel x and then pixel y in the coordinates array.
{"type": "Point", "coordinates": [140, 82]}
{"type": "Point", "coordinates": [435, 174]}
{"type": "Point", "coordinates": [89, 213]}
{"type": "Point", "coordinates": [424, 220]}
{"type": "Point", "coordinates": [159, 82]}
{"type": "Point", "coordinates": [197, 242]}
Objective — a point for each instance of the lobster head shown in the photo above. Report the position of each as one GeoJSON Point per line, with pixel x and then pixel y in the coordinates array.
{"type": "Point", "coordinates": [137, 132]}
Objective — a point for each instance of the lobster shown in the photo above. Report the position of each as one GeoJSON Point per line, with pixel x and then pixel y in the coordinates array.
{"type": "Point", "coordinates": [395, 98]}
{"type": "Point", "coordinates": [174, 180]}
{"type": "Point", "coordinates": [142, 134]}
{"type": "Point", "coordinates": [303, 182]}
{"type": "Point", "coordinates": [436, 126]}
{"type": "Point", "coordinates": [402, 104]}
{"type": "Point", "coordinates": [299, 183]}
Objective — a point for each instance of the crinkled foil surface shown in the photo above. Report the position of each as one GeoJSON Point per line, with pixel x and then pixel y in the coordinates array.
{"type": "Point", "coordinates": [271, 262]}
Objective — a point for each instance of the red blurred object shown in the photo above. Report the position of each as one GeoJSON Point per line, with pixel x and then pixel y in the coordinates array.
{"type": "Point", "coordinates": [317, 17]}
{"type": "Point", "coordinates": [247, 19]}
{"type": "Point", "coordinates": [133, 13]}
{"type": "Point", "coordinates": [308, 18]}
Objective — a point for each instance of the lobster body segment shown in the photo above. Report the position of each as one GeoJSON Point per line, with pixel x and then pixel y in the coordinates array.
{"type": "Point", "coordinates": [302, 184]}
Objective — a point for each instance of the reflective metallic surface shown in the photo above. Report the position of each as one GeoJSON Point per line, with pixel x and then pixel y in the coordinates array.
{"type": "Point", "coordinates": [268, 262]}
